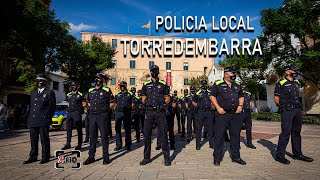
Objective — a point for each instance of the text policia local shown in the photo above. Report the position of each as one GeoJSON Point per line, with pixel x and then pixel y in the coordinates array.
{"type": "Point", "coordinates": [193, 46]}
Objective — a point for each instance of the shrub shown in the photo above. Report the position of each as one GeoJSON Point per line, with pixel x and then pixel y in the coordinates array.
{"type": "Point", "coordinates": [276, 117]}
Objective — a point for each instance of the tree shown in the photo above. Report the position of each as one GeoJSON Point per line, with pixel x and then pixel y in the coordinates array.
{"type": "Point", "coordinates": [299, 18]}
{"type": "Point", "coordinates": [84, 59]}
{"type": "Point", "coordinates": [195, 81]}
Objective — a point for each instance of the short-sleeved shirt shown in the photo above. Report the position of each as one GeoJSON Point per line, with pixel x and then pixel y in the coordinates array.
{"type": "Point", "coordinates": [227, 97]}
{"type": "Point", "coordinates": [288, 91]}
{"type": "Point", "coordinates": [155, 92]}
{"type": "Point", "coordinates": [182, 101]}
{"type": "Point", "coordinates": [202, 99]}
{"type": "Point", "coordinates": [124, 99]}
{"type": "Point", "coordinates": [247, 100]}
{"type": "Point", "coordinates": [75, 101]}
{"type": "Point", "coordinates": [99, 99]}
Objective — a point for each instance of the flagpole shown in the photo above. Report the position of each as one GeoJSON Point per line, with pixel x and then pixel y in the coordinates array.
{"type": "Point", "coordinates": [150, 29]}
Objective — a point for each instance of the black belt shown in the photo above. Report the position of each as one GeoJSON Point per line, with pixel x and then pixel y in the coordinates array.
{"type": "Point", "coordinates": [98, 113]}
{"type": "Point", "coordinates": [206, 109]}
{"type": "Point", "coordinates": [154, 108]}
{"type": "Point", "coordinates": [230, 111]}
{"type": "Point", "coordinates": [122, 109]}
{"type": "Point", "coordinates": [289, 107]}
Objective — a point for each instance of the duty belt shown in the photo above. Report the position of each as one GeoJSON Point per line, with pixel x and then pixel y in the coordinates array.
{"type": "Point", "coordinates": [230, 111]}
{"type": "Point", "coordinates": [289, 107]}
{"type": "Point", "coordinates": [206, 109]}
{"type": "Point", "coordinates": [154, 108]}
{"type": "Point", "coordinates": [247, 110]}
{"type": "Point", "coordinates": [98, 113]}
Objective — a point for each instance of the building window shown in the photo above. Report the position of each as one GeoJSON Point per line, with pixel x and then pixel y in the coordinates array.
{"type": "Point", "coordinates": [168, 65]}
{"type": "Point", "coordinates": [113, 81]}
{"type": "Point", "coordinates": [55, 85]}
{"type": "Point", "coordinates": [113, 63]}
{"type": "Point", "coordinates": [114, 43]}
{"type": "Point", "coordinates": [205, 70]}
{"type": "Point", "coordinates": [185, 66]}
{"type": "Point", "coordinates": [132, 64]}
{"type": "Point", "coordinates": [185, 81]}
{"type": "Point", "coordinates": [132, 81]}
{"type": "Point", "coordinates": [151, 63]}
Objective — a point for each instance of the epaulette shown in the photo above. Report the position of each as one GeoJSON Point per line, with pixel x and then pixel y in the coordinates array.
{"type": "Point", "coordinates": [68, 93]}
{"type": "Point", "coordinates": [237, 82]}
{"type": "Point", "coordinates": [130, 92]}
{"type": "Point", "coordinates": [106, 88]}
{"type": "Point", "coordinates": [162, 81]}
{"type": "Point", "coordinates": [282, 81]}
{"type": "Point", "coordinates": [137, 97]}
{"type": "Point", "coordinates": [198, 92]}
{"type": "Point", "coordinates": [219, 82]}
{"type": "Point", "coordinates": [91, 89]}
{"type": "Point", "coordinates": [118, 92]}
{"type": "Point", "coordinates": [298, 82]}
{"type": "Point", "coordinates": [80, 93]}
{"type": "Point", "coordinates": [147, 82]}
{"type": "Point", "coordinates": [247, 92]}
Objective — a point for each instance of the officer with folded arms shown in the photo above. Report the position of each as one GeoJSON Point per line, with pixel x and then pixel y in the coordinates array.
{"type": "Point", "coordinates": [286, 95]}
{"type": "Point", "coordinates": [99, 100]}
{"type": "Point", "coordinates": [42, 107]}
{"type": "Point", "coordinates": [76, 102]}
{"type": "Point", "coordinates": [227, 97]}
{"type": "Point", "coordinates": [124, 103]}
{"type": "Point", "coordinates": [155, 95]}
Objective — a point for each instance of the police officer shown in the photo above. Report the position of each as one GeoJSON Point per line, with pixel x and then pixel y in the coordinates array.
{"type": "Point", "coordinates": [42, 107]}
{"type": "Point", "coordinates": [170, 124]}
{"type": "Point", "coordinates": [76, 102]}
{"type": "Point", "coordinates": [191, 114]}
{"type": "Point", "coordinates": [155, 94]}
{"type": "Point", "coordinates": [286, 95]}
{"type": "Point", "coordinates": [135, 113]}
{"type": "Point", "coordinates": [205, 113]}
{"type": "Point", "coordinates": [246, 115]}
{"type": "Point", "coordinates": [176, 110]}
{"type": "Point", "coordinates": [99, 101]}
{"type": "Point", "coordinates": [142, 111]}
{"type": "Point", "coordinates": [227, 97]}
{"type": "Point", "coordinates": [183, 110]}
{"type": "Point", "coordinates": [124, 105]}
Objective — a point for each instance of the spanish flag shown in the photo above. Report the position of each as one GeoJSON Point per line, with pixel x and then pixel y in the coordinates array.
{"type": "Point", "coordinates": [146, 25]}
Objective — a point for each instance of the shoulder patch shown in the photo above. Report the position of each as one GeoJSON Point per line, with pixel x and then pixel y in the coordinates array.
{"type": "Point", "coordinates": [284, 80]}
{"type": "Point", "coordinates": [163, 82]}
{"type": "Point", "coordinates": [147, 82]}
{"type": "Point", "coordinates": [105, 88]}
{"type": "Point", "coordinates": [219, 82]}
{"type": "Point", "coordinates": [91, 89]}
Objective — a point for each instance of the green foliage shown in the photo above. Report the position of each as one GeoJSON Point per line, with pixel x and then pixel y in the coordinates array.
{"type": "Point", "coordinates": [301, 19]}
{"type": "Point", "coordinates": [195, 81]}
{"type": "Point", "coordinates": [276, 117]}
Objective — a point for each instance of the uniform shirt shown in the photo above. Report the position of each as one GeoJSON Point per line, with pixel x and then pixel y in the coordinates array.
{"type": "Point", "coordinates": [247, 100]}
{"type": "Point", "coordinates": [202, 99]}
{"type": "Point", "coordinates": [42, 108]}
{"type": "Point", "coordinates": [227, 97]}
{"type": "Point", "coordinates": [155, 92]}
{"type": "Point", "coordinates": [124, 99]}
{"type": "Point", "coordinates": [182, 101]}
{"type": "Point", "coordinates": [169, 105]}
{"type": "Point", "coordinates": [137, 101]}
{"type": "Point", "coordinates": [189, 101]}
{"type": "Point", "coordinates": [99, 99]}
{"type": "Point", "coordinates": [288, 91]}
{"type": "Point", "coordinates": [75, 101]}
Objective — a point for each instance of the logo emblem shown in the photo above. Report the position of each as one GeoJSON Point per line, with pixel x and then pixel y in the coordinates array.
{"type": "Point", "coordinates": [67, 158]}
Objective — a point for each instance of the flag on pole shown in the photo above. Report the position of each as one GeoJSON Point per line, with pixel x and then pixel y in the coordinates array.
{"type": "Point", "coordinates": [146, 25]}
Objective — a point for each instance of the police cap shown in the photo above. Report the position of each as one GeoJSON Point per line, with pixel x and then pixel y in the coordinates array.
{"type": "Point", "coordinates": [154, 67]}
{"type": "Point", "coordinates": [290, 67]}
{"type": "Point", "coordinates": [229, 69]}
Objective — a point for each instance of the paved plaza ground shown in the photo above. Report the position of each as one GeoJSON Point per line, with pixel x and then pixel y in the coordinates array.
{"type": "Point", "coordinates": [187, 162]}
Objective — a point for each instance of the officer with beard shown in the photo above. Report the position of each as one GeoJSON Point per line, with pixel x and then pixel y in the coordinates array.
{"type": "Point", "coordinates": [99, 101]}
{"type": "Point", "coordinates": [227, 96]}
{"type": "Point", "coordinates": [135, 113]}
{"type": "Point", "coordinates": [191, 114]}
{"type": "Point", "coordinates": [42, 107]}
{"type": "Point", "coordinates": [205, 114]}
{"type": "Point", "coordinates": [286, 95]}
{"type": "Point", "coordinates": [76, 102]}
{"type": "Point", "coordinates": [124, 104]}
{"type": "Point", "coordinates": [155, 95]}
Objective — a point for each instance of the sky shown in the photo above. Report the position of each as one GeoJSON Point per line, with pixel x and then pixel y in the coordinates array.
{"type": "Point", "coordinates": [127, 16]}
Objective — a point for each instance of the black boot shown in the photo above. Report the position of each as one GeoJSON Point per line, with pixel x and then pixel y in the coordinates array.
{"type": "Point", "coordinates": [90, 160]}
{"type": "Point", "coordinates": [67, 146]}
{"type": "Point", "coordinates": [30, 160]}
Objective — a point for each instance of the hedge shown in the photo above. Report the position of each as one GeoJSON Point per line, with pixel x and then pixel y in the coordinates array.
{"type": "Point", "coordinates": [276, 117]}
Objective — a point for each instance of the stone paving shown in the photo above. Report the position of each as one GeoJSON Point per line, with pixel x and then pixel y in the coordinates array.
{"type": "Point", "coordinates": [187, 163]}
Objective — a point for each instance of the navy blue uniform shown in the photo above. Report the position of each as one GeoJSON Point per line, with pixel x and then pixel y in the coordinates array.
{"type": "Point", "coordinates": [135, 116]}
{"type": "Point", "coordinates": [75, 109]}
{"type": "Point", "coordinates": [228, 99]}
{"type": "Point", "coordinates": [205, 116]}
{"type": "Point", "coordinates": [247, 118]}
{"type": "Point", "coordinates": [42, 107]}
{"type": "Point", "coordinates": [291, 116]}
{"type": "Point", "coordinates": [155, 92]}
{"type": "Point", "coordinates": [191, 117]}
{"type": "Point", "coordinates": [177, 113]}
{"type": "Point", "coordinates": [183, 112]}
{"type": "Point", "coordinates": [98, 114]}
{"type": "Point", "coordinates": [123, 114]}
